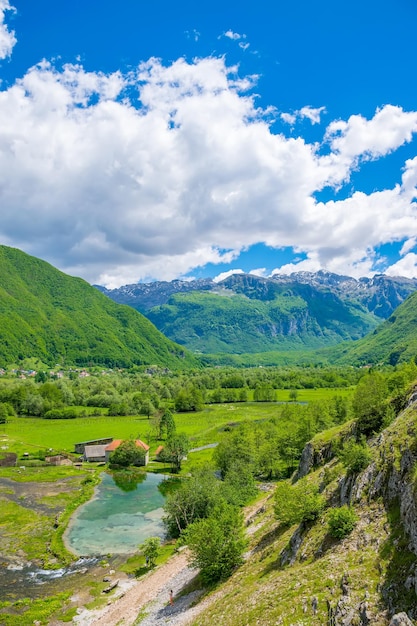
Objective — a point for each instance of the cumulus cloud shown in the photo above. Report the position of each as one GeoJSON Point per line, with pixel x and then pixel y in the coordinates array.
{"type": "Point", "coordinates": [234, 36]}
{"type": "Point", "coordinates": [119, 178]}
{"type": "Point", "coordinates": [7, 37]}
{"type": "Point", "coordinates": [307, 112]}
{"type": "Point", "coordinates": [224, 275]}
{"type": "Point", "coordinates": [406, 266]}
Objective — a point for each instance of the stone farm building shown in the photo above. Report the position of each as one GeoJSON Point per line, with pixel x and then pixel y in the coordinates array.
{"type": "Point", "coordinates": [95, 452]}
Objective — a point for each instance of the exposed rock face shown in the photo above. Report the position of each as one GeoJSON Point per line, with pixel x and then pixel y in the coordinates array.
{"type": "Point", "coordinates": [380, 295]}
{"type": "Point", "coordinates": [401, 619]}
{"type": "Point", "coordinates": [315, 454]}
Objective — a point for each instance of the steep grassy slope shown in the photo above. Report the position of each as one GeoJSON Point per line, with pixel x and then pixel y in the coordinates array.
{"type": "Point", "coordinates": [47, 314]}
{"type": "Point", "coordinates": [293, 319]}
{"type": "Point", "coordinates": [300, 575]}
{"type": "Point", "coordinates": [394, 340]}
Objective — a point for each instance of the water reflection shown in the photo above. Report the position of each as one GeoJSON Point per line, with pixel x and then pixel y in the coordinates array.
{"type": "Point", "coordinates": [129, 479]}
{"type": "Point", "coordinates": [120, 517]}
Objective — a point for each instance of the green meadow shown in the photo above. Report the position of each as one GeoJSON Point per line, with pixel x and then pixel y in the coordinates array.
{"type": "Point", "coordinates": [27, 434]}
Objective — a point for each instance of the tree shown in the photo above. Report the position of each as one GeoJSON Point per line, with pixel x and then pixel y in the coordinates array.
{"type": "Point", "coordinates": [167, 424]}
{"type": "Point", "coordinates": [369, 403]}
{"type": "Point", "coordinates": [128, 453]}
{"type": "Point", "coordinates": [6, 411]}
{"type": "Point", "coordinates": [175, 450]}
{"type": "Point", "coordinates": [264, 393]}
{"type": "Point", "coordinates": [146, 407]}
{"type": "Point", "coordinates": [293, 395]}
{"type": "Point", "coordinates": [194, 499]}
{"type": "Point", "coordinates": [150, 549]}
{"type": "Point", "coordinates": [189, 400]}
{"type": "Point", "coordinates": [217, 543]}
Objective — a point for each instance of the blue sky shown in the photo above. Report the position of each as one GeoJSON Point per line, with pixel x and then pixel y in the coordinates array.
{"type": "Point", "coordinates": [143, 141]}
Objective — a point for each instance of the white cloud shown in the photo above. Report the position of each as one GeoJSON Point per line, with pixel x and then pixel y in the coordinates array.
{"type": "Point", "coordinates": [260, 271]}
{"type": "Point", "coordinates": [404, 267]}
{"type": "Point", "coordinates": [119, 189]}
{"type": "Point", "coordinates": [234, 36]}
{"type": "Point", "coordinates": [306, 112]}
{"type": "Point", "coordinates": [408, 245]}
{"type": "Point", "coordinates": [7, 37]}
{"type": "Point", "coordinates": [225, 275]}
{"type": "Point", "coordinates": [288, 118]}
{"type": "Point", "coordinates": [311, 114]}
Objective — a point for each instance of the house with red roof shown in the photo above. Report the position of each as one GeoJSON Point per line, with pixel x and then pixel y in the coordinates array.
{"type": "Point", "coordinates": [111, 447]}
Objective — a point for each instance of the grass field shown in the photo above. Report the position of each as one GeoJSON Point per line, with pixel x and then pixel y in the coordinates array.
{"type": "Point", "coordinates": [28, 434]}
{"type": "Point", "coordinates": [201, 426]}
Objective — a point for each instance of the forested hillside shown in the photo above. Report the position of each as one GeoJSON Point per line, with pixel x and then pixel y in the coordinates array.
{"type": "Point", "coordinates": [60, 319]}
{"type": "Point", "coordinates": [394, 340]}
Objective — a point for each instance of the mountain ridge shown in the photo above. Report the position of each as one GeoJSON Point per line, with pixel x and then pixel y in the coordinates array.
{"type": "Point", "coordinates": [247, 313]}
{"type": "Point", "coordinates": [49, 315]}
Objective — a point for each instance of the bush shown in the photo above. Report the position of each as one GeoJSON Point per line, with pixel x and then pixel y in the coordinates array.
{"type": "Point", "coordinates": [355, 456]}
{"type": "Point", "coordinates": [150, 549]}
{"type": "Point", "coordinates": [67, 413]}
{"type": "Point", "coordinates": [342, 521]}
{"type": "Point", "coordinates": [297, 503]}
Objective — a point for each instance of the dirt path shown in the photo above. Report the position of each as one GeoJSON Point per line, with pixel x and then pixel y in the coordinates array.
{"type": "Point", "coordinates": [152, 590]}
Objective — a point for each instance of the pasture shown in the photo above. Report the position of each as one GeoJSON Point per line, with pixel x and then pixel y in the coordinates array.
{"type": "Point", "coordinates": [27, 434]}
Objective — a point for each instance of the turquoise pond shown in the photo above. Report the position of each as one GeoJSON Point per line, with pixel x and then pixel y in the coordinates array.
{"type": "Point", "coordinates": [117, 520]}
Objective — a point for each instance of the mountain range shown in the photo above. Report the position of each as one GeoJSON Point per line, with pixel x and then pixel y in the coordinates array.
{"type": "Point", "coordinates": [319, 317]}
{"type": "Point", "coordinates": [245, 313]}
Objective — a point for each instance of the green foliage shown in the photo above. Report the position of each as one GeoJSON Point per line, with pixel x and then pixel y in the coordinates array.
{"type": "Point", "coordinates": [150, 549]}
{"type": "Point", "coordinates": [166, 424]}
{"type": "Point", "coordinates": [230, 322]}
{"type": "Point", "coordinates": [128, 453]}
{"type": "Point", "coordinates": [30, 611]}
{"type": "Point", "coordinates": [190, 399]}
{"type": "Point", "coordinates": [297, 503]}
{"type": "Point", "coordinates": [239, 485]}
{"type": "Point", "coordinates": [217, 543]}
{"type": "Point", "coordinates": [6, 411]}
{"type": "Point", "coordinates": [369, 403]}
{"type": "Point", "coordinates": [355, 456]}
{"type": "Point", "coordinates": [264, 393]}
{"type": "Point", "coordinates": [66, 413]}
{"type": "Point", "coordinates": [57, 318]}
{"type": "Point", "coordinates": [175, 450]}
{"type": "Point", "coordinates": [393, 341]}
{"type": "Point", "coordinates": [341, 521]}
{"type": "Point", "coordinates": [194, 499]}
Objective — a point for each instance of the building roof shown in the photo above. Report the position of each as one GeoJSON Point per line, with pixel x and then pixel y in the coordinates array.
{"type": "Point", "coordinates": [159, 450]}
{"type": "Point", "coordinates": [95, 451]}
{"type": "Point", "coordinates": [116, 443]}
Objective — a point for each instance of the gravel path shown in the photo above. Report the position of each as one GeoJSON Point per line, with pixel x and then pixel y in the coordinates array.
{"type": "Point", "coordinates": [150, 597]}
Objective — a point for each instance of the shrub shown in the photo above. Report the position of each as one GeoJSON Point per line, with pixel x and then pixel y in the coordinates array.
{"type": "Point", "coordinates": [150, 549]}
{"type": "Point", "coordinates": [355, 456]}
{"type": "Point", "coordinates": [297, 503]}
{"type": "Point", "coordinates": [342, 521]}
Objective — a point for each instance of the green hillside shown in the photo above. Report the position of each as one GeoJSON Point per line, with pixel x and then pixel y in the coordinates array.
{"type": "Point", "coordinates": [231, 323]}
{"type": "Point", "coordinates": [60, 319]}
{"type": "Point", "coordinates": [392, 341]}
